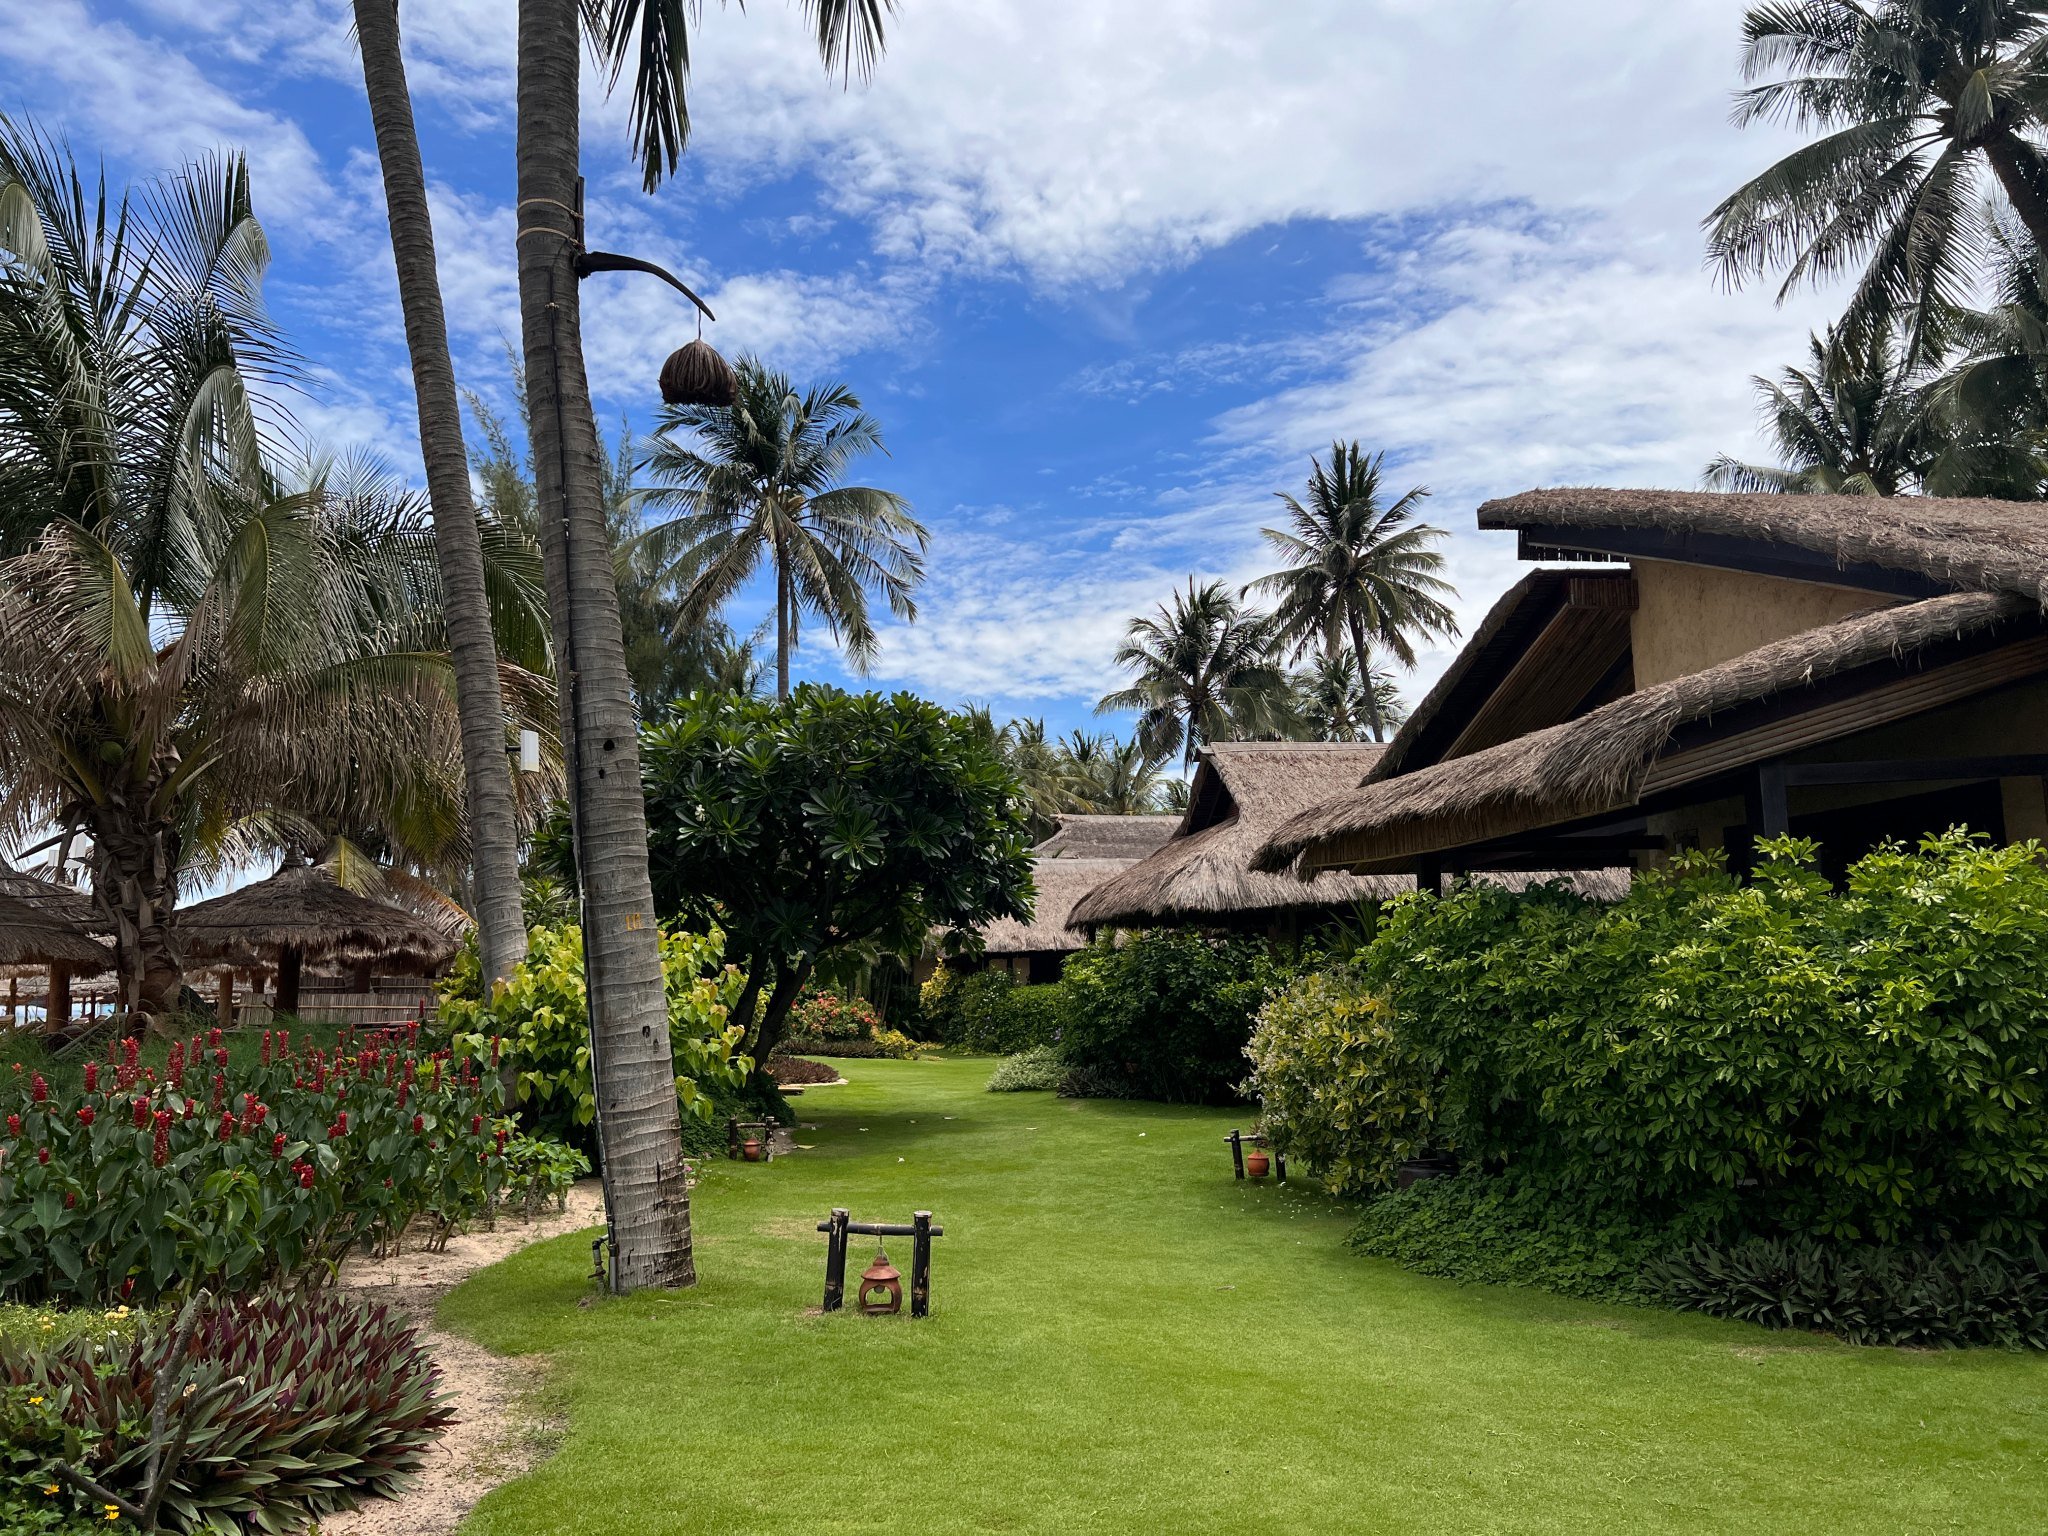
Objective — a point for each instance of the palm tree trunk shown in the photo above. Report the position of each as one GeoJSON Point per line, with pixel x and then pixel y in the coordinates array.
{"type": "Point", "coordinates": [2018, 178]}
{"type": "Point", "coordinates": [135, 889]}
{"type": "Point", "coordinates": [1373, 719]}
{"type": "Point", "coordinates": [781, 626]}
{"type": "Point", "coordinates": [639, 1135]}
{"type": "Point", "coordinates": [486, 771]}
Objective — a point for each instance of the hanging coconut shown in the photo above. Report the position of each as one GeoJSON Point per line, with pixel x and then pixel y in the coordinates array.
{"type": "Point", "coordinates": [697, 375]}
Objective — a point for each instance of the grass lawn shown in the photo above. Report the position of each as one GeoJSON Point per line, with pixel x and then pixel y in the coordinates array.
{"type": "Point", "coordinates": [1123, 1339]}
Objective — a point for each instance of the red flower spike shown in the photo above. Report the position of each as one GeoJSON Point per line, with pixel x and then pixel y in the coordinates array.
{"type": "Point", "coordinates": [127, 1287]}
{"type": "Point", "coordinates": [141, 1113]}
{"type": "Point", "coordinates": [191, 1105]}
{"type": "Point", "coordinates": [14, 1125]}
{"type": "Point", "coordinates": [419, 1124]}
{"type": "Point", "coordinates": [43, 1155]}
{"type": "Point", "coordinates": [476, 1125]}
{"type": "Point", "coordinates": [305, 1175]}
{"type": "Point", "coordinates": [85, 1115]}
{"type": "Point", "coordinates": [131, 1051]}
{"type": "Point", "coordinates": [70, 1199]}
{"type": "Point", "coordinates": [263, 1055]}
{"type": "Point", "coordinates": [227, 1125]}
{"type": "Point", "coordinates": [277, 1145]}
{"type": "Point", "coordinates": [213, 1037]}
{"type": "Point", "coordinates": [38, 1090]}
{"type": "Point", "coordinates": [220, 1057]}
{"type": "Point", "coordinates": [92, 1077]}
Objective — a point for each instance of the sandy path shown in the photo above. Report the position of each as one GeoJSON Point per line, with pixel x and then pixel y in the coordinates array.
{"type": "Point", "coordinates": [494, 1437]}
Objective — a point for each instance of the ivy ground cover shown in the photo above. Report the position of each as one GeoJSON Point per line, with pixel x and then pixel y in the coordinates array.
{"type": "Point", "coordinates": [1123, 1339]}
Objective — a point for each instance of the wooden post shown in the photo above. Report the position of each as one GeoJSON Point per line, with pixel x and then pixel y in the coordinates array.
{"type": "Point", "coordinates": [1236, 1140]}
{"type": "Point", "coordinates": [1775, 812]}
{"type": "Point", "coordinates": [289, 962]}
{"type": "Point", "coordinates": [13, 999]}
{"type": "Point", "coordinates": [835, 1261]}
{"type": "Point", "coordinates": [921, 1264]}
{"type": "Point", "coordinates": [227, 998]}
{"type": "Point", "coordinates": [57, 1001]}
{"type": "Point", "coordinates": [732, 1137]}
{"type": "Point", "coordinates": [360, 982]}
{"type": "Point", "coordinates": [1280, 1164]}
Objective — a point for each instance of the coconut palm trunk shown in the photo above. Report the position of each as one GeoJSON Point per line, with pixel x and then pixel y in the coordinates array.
{"type": "Point", "coordinates": [486, 770]}
{"type": "Point", "coordinates": [1374, 720]}
{"type": "Point", "coordinates": [639, 1135]}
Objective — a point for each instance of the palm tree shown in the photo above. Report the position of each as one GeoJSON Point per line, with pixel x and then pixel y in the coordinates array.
{"type": "Point", "coordinates": [759, 480]}
{"type": "Point", "coordinates": [1989, 408]}
{"type": "Point", "coordinates": [1333, 707]}
{"type": "Point", "coordinates": [646, 1189]}
{"type": "Point", "coordinates": [1911, 98]}
{"type": "Point", "coordinates": [487, 774]}
{"type": "Point", "coordinates": [1852, 423]}
{"type": "Point", "coordinates": [1123, 779]}
{"type": "Point", "coordinates": [1205, 672]}
{"type": "Point", "coordinates": [1357, 569]}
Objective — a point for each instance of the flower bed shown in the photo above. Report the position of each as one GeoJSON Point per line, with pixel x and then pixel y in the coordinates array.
{"type": "Point", "coordinates": [230, 1176]}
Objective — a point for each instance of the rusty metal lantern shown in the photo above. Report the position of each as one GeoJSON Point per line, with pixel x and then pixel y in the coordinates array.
{"type": "Point", "coordinates": [697, 375]}
{"type": "Point", "coordinates": [881, 1287]}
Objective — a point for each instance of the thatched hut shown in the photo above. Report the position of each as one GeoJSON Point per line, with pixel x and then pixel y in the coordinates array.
{"type": "Point", "coordinates": [1242, 792]}
{"type": "Point", "coordinates": [31, 935]}
{"type": "Point", "coordinates": [67, 912]}
{"type": "Point", "coordinates": [301, 914]}
{"type": "Point", "coordinates": [1843, 668]}
{"type": "Point", "coordinates": [1128, 838]}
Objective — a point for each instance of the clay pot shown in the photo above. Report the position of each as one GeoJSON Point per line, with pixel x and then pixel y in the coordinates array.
{"type": "Point", "coordinates": [1256, 1163]}
{"type": "Point", "coordinates": [750, 1149]}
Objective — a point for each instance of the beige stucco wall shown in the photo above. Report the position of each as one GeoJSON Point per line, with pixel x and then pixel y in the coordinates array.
{"type": "Point", "coordinates": [1692, 616]}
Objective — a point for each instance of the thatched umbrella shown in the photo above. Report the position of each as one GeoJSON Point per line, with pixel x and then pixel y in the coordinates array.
{"type": "Point", "coordinates": [69, 906]}
{"type": "Point", "coordinates": [301, 914]}
{"type": "Point", "coordinates": [30, 935]}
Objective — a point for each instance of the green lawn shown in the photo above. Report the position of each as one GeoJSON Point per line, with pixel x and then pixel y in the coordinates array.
{"type": "Point", "coordinates": [1124, 1340]}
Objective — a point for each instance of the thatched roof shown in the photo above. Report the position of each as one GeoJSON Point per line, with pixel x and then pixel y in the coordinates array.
{"type": "Point", "coordinates": [302, 908]}
{"type": "Point", "coordinates": [50, 898]}
{"type": "Point", "coordinates": [1107, 837]}
{"type": "Point", "coordinates": [1961, 543]}
{"type": "Point", "coordinates": [1243, 792]}
{"type": "Point", "coordinates": [1061, 882]}
{"type": "Point", "coordinates": [32, 936]}
{"type": "Point", "coordinates": [1599, 762]}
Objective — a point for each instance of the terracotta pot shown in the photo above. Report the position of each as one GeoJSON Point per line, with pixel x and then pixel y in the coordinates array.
{"type": "Point", "coordinates": [750, 1149]}
{"type": "Point", "coordinates": [1256, 1163]}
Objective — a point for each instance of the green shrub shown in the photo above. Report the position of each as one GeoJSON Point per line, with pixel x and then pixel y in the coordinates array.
{"type": "Point", "coordinates": [1340, 1091]}
{"type": "Point", "coordinates": [1506, 1232]}
{"type": "Point", "coordinates": [886, 1043]}
{"type": "Point", "coordinates": [232, 1175]}
{"type": "Point", "coordinates": [48, 1327]}
{"type": "Point", "coordinates": [289, 1406]}
{"type": "Point", "coordinates": [989, 1011]}
{"type": "Point", "coordinates": [542, 1017]}
{"type": "Point", "coordinates": [1750, 1059]}
{"type": "Point", "coordinates": [1962, 1294]}
{"type": "Point", "coordinates": [1166, 1014]}
{"type": "Point", "coordinates": [1039, 1070]}
{"type": "Point", "coordinates": [539, 1172]}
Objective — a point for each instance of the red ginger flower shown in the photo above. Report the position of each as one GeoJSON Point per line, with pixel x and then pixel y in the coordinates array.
{"type": "Point", "coordinates": [141, 1113]}
{"type": "Point", "coordinates": [38, 1090]}
{"type": "Point", "coordinates": [160, 1144]}
{"type": "Point", "coordinates": [305, 1175]}
{"type": "Point", "coordinates": [70, 1199]}
{"type": "Point", "coordinates": [213, 1037]}
{"type": "Point", "coordinates": [277, 1145]}
{"type": "Point", "coordinates": [227, 1124]}
{"type": "Point", "coordinates": [476, 1125]}
{"type": "Point", "coordinates": [85, 1115]}
{"type": "Point", "coordinates": [14, 1125]}
{"type": "Point", "coordinates": [220, 1057]}
{"type": "Point", "coordinates": [92, 1077]}
{"type": "Point", "coordinates": [419, 1124]}
{"type": "Point", "coordinates": [43, 1155]}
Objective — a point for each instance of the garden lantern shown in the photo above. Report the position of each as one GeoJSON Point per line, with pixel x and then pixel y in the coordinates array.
{"type": "Point", "coordinates": [697, 375]}
{"type": "Point", "coordinates": [881, 1287]}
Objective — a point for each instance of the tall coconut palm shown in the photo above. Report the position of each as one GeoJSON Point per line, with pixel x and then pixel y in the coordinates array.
{"type": "Point", "coordinates": [1206, 671]}
{"type": "Point", "coordinates": [1332, 705]}
{"type": "Point", "coordinates": [1359, 569]}
{"type": "Point", "coordinates": [1122, 778]}
{"type": "Point", "coordinates": [760, 480]}
{"type": "Point", "coordinates": [1989, 405]}
{"type": "Point", "coordinates": [1851, 423]}
{"type": "Point", "coordinates": [1911, 99]}
{"type": "Point", "coordinates": [487, 774]}
{"type": "Point", "coordinates": [639, 1132]}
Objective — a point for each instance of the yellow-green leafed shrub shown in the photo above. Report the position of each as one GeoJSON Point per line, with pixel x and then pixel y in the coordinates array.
{"type": "Point", "coordinates": [1342, 1095]}
{"type": "Point", "coordinates": [542, 1015]}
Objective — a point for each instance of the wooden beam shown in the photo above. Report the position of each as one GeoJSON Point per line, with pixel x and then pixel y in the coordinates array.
{"type": "Point", "coordinates": [1565, 662]}
{"type": "Point", "coordinates": [1902, 770]}
{"type": "Point", "coordinates": [1724, 552]}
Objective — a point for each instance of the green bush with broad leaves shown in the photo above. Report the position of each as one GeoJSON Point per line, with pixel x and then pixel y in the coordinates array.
{"type": "Point", "coordinates": [539, 1173]}
{"type": "Point", "coordinates": [233, 1174]}
{"type": "Point", "coordinates": [541, 1014]}
{"type": "Point", "coordinates": [1042, 1069]}
{"type": "Point", "coordinates": [1772, 1056]}
{"type": "Point", "coordinates": [1165, 1014]}
{"type": "Point", "coordinates": [237, 1415]}
{"type": "Point", "coordinates": [1342, 1093]}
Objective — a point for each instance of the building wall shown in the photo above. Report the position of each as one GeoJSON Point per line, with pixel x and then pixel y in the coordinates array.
{"type": "Point", "coordinates": [1689, 617]}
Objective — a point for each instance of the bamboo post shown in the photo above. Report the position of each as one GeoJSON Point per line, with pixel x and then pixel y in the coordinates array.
{"type": "Point", "coordinates": [835, 1261]}
{"type": "Point", "coordinates": [57, 1001]}
{"type": "Point", "coordinates": [227, 998]}
{"type": "Point", "coordinates": [921, 1264]}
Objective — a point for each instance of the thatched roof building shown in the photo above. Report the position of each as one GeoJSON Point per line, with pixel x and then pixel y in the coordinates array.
{"type": "Point", "coordinates": [1061, 883]}
{"type": "Point", "coordinates": [1107, 837]}
{"type": "Point", "coordinates": [32, 936]}
{"type": "Point", "coordinates": [47, 896]}
{"type": "Point", "coordinates": [1242, 792]}
{"type": "Point", "coordinates": [300, 914]}
{"type": "Point", "coordinates": [1845, 668]}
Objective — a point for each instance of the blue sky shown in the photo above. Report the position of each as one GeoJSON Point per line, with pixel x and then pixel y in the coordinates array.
{"type": "Point", "coordinates": [1107, 271]}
